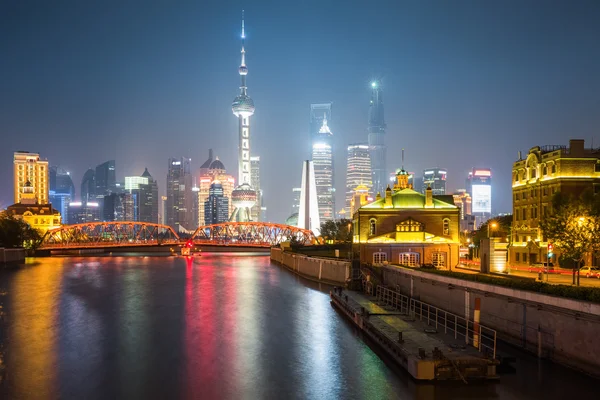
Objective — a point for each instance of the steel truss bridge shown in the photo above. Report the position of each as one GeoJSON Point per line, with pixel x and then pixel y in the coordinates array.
{"type": "Point", "coordinates": [135, 234]}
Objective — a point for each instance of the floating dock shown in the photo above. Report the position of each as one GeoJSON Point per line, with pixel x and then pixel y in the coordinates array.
{"type": "Point", "coordinates": [428, 351]}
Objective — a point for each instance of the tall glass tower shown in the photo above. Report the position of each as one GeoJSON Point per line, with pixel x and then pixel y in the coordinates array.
{"type": "Point", "coordinates": [377, 140]}
{"type": "Point", "coordinates": [322, 157]}
{"type": "Point", "coordinates": [243, 196]}
{"type": "Point", "coordinates": [358, 171]}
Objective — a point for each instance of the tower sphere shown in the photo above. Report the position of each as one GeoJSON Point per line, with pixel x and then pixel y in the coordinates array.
{"type": "Point", "coordinates": [243, 105]}
{"type": "Point", "coordinates": [243, 196]}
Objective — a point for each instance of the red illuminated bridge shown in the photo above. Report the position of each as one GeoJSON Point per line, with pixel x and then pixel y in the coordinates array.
{"type": "Point", "coordinates": [99, 235]}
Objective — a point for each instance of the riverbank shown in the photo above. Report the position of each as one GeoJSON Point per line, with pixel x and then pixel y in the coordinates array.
{"type": "Point", "coordinates": [325, 270]}
{"type": "Point", "coordinates": [8, 256]}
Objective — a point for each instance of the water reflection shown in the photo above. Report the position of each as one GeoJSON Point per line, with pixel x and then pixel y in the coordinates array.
{"type": "Point", "coordinates": [216, 326]}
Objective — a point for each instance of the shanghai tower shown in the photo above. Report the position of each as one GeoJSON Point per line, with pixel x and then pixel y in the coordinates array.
{"type": "Point", "coordinates": [377, 140]}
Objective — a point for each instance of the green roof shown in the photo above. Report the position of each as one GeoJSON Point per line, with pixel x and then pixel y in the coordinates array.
{"type": "Point", "coordinates": [408, 198]}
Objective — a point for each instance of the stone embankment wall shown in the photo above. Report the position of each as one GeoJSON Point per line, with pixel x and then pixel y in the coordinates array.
{"type": "Point", "coordinates": [12, 255]}
{"type": "Point", "coordinates": [563, 330]}
{"type": "Point", "coordinates": [325, 270]}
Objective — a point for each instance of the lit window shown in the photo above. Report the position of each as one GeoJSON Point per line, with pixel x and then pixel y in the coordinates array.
{"type": "Point", "coordinates": [446, 225]}
{"type": "Point", "coordinates": [409, 259]}
{"type": "Point", "coordinates": [379, 258]}
{"type": "Point", "coordinates": [533, 172]}
{"type": "Point", "coordinates": [372, 226]}
{"type": "Point", "coordinates": [545, 170]}
{"type": "Point", "coordinates": [438, 259]}
{"type": "Point", "coordinates": [554, 168]}
{"type": "Point", "coordinates": [410, 225]}
{"type": "Point", "coordinates": [516, 256]}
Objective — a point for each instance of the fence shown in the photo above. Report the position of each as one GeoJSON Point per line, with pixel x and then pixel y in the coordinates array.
{"type": "Point", "coordinates": [476, 335]}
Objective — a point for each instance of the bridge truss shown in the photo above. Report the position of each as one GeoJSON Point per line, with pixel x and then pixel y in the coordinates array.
{"type": "Point", "coordinates": [109, 234]}
{"type": "Point", "coordinates": [259, 234]}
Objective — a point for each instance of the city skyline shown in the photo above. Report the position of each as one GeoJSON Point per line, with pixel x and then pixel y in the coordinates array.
{"type": "Point", "coordinates": [489, 94]}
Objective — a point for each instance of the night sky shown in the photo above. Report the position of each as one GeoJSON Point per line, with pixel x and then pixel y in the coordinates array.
{"type": "Point", "coordinates": [466, 83]}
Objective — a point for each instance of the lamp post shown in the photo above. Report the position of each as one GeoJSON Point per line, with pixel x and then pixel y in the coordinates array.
{"type": "Point", "coordinates": [493, 225]}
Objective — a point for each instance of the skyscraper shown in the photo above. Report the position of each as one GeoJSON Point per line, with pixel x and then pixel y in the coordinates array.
{"type": "Point", "coordinates": [142, 204]}
{"type": "Point", "coordinates": [296, 200]}
{"type": "Point", "coordinates": [62, 190]}
{"type": "Point", "coordinates": [105, 178]}
{"type": "Point", "coordinates": [308, 215]}
{"type": "Point", "coordinates": [216, 206]}
{"type": "Point", "coordinates": [214, 171]}
{"type": "Point", "coordinates": [322, 158]}
{"type": "Point", "coordinates": [256, 211]}
{"type": "Point", "coordinates": [377, 140]}
{"type": "Point", "coordinates": [358, 171]}
{"type": "Point", "coordinates": [88, 186]}
{"type": "Point", "coordinates": [243, 196]}
{"type": "Point", "coordinates": [180, 195]}
{"type": "Point", "coordinates": [436, 179]}
{"type": "Point", "coordinates": [29, 168]}
{"type": "Point", "coordinates": [479, 186]}
{"type": "Point", "coordinates": [318, 112]}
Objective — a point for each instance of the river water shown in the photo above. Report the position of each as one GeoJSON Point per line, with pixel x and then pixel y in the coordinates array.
{"type": "Point", "coordinates": [223, 326]}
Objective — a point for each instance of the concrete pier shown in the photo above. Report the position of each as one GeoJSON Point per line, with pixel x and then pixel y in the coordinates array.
{"type": "Point", "coordinates": [428, 350]}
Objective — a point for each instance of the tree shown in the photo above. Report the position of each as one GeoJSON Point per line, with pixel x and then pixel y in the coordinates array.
{"type": "Point", "coordinates": [337, 231]}
{"type": "Point", "coordinates": [573, 228]}
{"type": "Point", "coordinates": [502, 229]}
{"type": "Point", "coordinates": [17, 233]}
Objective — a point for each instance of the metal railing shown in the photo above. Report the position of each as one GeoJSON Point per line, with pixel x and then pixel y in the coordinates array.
{"type": "Point", "coordinates": [480, 337]}
{"type": "Point", "coordinates": [392, 298]}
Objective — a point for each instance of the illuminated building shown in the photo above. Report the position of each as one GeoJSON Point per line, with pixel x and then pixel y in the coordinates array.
{"type": "Point", "coordinates": [462, 200]}
{"type": "Point", "coordinates": [545, 171]}
{"type": "Point", "coordinates": [105, 178]}
{"type": "Point", "coordinates": [162, 216]}
{"type": "Point", "coordinates": [39, 216]}
{"type": "Point", "coordinates": [296, 200]}
{"type": "Point", "coordinates": [408, 228]}
{"type": "Point", "coordinates": [62, 190]}
{"type": "Point", "coordinates": [322, 158]}
{"type": "Point", "coordinates": [479, 186]}
{"type": "Point", "coordinates": [88, 185]}
{"type": "Point", "coordinates": [359, 199]}
{"type": "Point", "coordinates": [256, 211]}
{"type": "Point", "coordinates": [216, 206]}
{"type": "Point", "coordinates": [377, 148]}
{"type": "Point", "coordinates": [180, 201]}
{"type": "Point", "coordinates": [308, 213]}
{"type": "Point", "coordinates": [82, 212]}
{"type": "Point", "coordinates": [28, 167]}
{"type": "Point", "coordinates": [214, 171]}
{"type": "Point", "coordinates": [144, 195]}
{"type": "Point", "coordinates": [244, 196]}
{"type": "Point", "coordinates": [358, 170]}
{"type": "Point", "coordinates": [436, 179]}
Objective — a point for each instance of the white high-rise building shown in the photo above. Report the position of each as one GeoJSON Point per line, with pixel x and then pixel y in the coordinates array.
{"type": "Point", "coordinates": [256, 210]}
{"type": "Point", "coordinates": [358, 170]}
{"type": "Point", "coordinates": [308, 215]}
{"type": "Point", "coordinates": [322, 158]}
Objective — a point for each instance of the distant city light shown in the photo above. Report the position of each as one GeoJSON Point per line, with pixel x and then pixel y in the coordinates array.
{"type": "Point", "coordinates": [374, 84]}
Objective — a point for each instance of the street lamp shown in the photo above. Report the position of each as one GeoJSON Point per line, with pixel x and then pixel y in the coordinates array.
{"type": "Point", "coordinates": [493, 225]}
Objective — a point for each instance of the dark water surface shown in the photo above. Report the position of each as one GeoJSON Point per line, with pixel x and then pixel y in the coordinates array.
{"type": "Point", "coordinates": [225, 326]}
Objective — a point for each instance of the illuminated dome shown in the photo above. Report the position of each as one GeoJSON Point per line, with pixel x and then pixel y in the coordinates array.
{"type": "Point", "coordinates": [217, 164]}
{"type": "Point", "coordinates": [243, 105]}
{"type": "Point", "coordinates": [243, 196]}
{"type": "Point", "coordinates": [243, 70]}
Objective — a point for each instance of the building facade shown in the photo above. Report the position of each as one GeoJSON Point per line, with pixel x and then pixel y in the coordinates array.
{"type": "Point", "coordinates": [88, 186]}
{"type": "Point", "coordinates": [39, 216]}
{"type": "Point", "coordinates": [214, 172]}
{"type": "Point", "coordinates": [479, 187]}
{"type": "Point", "coordinates": [377, 149]}
{"type": "Point", "coordinates": [180, 202]}
{"type": "Point", "coordinates": [62, 190]}
{"type": "Point", "coordinates": [216, 206]}
{"type": "Point", "coordinates": [105, 178]}
{"type": "Point", "coordinates": [358, 170]}
{"type": "Point", "coordinates": [256, 210]}
{"type": "Point", "coordinates": [408, 228]}
{"type": "Point", "coordinates": [83, 212]}
{"type": "Point", "coordinates": [545, 171]}
{"type": "Point", "coordinates": [29, 167]}
{"type": "Point", "coordinates": [322, 158]}
{"type": "Point", "coordinates": [436, 179]}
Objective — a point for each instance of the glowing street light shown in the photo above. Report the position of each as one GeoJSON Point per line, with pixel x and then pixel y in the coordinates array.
{"type": "Point", "coordinates": [493, 225]}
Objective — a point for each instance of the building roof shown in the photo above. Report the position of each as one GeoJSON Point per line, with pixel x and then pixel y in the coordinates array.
{"type": "Point", "coordinates": [35, 209]}
{"type": "Point", "coordinates": [217, 164]}
{"type": "Point", "coordinates": [146, 174]}
{"type": "Point", "coordinates": [408, 198]}
{"type": "Point", "coordinates": [209, 160]}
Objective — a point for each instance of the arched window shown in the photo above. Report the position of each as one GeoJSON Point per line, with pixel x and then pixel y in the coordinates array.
{"type": "Point", "coordinates": [446, 225]}
{"type": "Point", "coordinates": [372, 226]}
{"type": "Point", "coordinates": [410, 259]}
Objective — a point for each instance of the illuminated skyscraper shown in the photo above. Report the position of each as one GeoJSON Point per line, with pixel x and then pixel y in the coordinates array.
{"type": "Point", "coordinates": [256, 211]}
{"type": "Point", "coordinates": [179, 194]}
{"type": "Point", "coordinates": [243, 196]}
{"type": "Point", "coordinates": [28, 167]}
{"type": "Point", "coordinates": [62, 190]}
{"type": "Point", "coordinates": [358, 171]}
{"type": "Point", "coordinates": [318, 112]}
{"type": "Point", "coordinates": [105, 178]}
{"type": "Point", "coordinates": [322, 157]}
{"type": "Point", "coordinates": [88, 186]}
{"type": "Point", "coordinates": [216, 206]}
{"type": "Point", "coordinates": [144, 197]}
{"type": "Point", "coordinates": [377, 140]}
{"type": "Point", "coordinates": [214, 171]}
{"type": "Point", "coordinates": [479, 186]}
{"type": "Point", "coordinates": [436, 179]}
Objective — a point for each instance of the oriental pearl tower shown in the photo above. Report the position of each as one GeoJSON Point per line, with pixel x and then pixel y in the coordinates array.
{"type": "Point", "coordinates": [243, 196]}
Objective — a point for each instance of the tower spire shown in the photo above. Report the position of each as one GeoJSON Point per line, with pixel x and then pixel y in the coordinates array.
{"type": "Point", "coordinates": [403, 159]}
